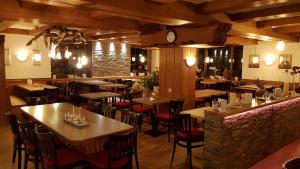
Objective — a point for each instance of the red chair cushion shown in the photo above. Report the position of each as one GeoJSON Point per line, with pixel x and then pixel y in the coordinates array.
{"type": "Point", "coordinates": [163, 116]}
{"type": "Point", "coordinates": [65, 156]}
{"type": "Point", "coordinates": [122, 104]}
{"type": "Point", "coordinates": [200, 100]}
{"type": "Point", "coordinates": [196, 135]}
{"type": "Point", "coordinates": [100, 160]}
{"type": "Point", "coordinates": [142, 109]}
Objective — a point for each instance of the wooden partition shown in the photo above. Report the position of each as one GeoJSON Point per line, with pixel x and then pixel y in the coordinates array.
{"type": "Point", "coordinates": [176, 78]}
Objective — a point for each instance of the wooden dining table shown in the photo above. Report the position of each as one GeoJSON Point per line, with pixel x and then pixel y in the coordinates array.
{"type": "Point", "coordinates": [197, 113]}
{"type": "Point", "coordinates": [154, 103]}
{"type": "Point", "coordinates": [113, 85]}
{"type": "Point", "coordinates": [99, 95]}
{"type": "Point", "coordinates": [252, 87]}
{"type": "Point", "coordinates": [35, 87]}
{"type": "Point", "coordinates": [207, 93]}
{"type": "Point", "coordinates": [89, 139]}
{"type": "Point", "coordinates": [94, 82]}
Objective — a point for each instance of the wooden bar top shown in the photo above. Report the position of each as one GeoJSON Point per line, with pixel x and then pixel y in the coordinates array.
{"type": "Point", "coordinates": [52, 116]}
{"type": "Point", "coordinates": [235, 109]}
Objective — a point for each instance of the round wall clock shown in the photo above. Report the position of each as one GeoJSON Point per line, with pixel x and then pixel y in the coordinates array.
{"type": "Point", "coordinates": [171, 36]}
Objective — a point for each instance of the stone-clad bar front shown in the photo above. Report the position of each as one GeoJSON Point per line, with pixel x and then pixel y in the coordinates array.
{"type": "Point", "coordinates": [240, 137]}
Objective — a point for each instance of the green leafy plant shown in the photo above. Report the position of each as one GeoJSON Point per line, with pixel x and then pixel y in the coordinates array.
{"type": "Point", "coordinates": [148, 82]}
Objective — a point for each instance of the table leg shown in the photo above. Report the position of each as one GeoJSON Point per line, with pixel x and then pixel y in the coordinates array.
{"type": "Point", "coordinates": [154, 131]}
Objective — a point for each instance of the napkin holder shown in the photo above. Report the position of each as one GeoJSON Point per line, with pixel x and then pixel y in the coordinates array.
{"type": "Point", "coordinates": [246, 98]}
{"type": "Point", "coordinates": [29, 81]}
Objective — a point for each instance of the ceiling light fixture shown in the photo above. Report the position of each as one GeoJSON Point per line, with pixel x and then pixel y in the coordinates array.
{"type": "Point", "coordinates": [280, 45]}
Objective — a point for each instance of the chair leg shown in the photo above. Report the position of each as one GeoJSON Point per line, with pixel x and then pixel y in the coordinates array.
{"type": "Point", "coordinates": [169, 132]}
{"type": "Point", "coordinates": [136, 158]}
{"type": "Point", "coordinates": [25, 161]}
{"type": "Point", "coordinates": [174, 149]}
{"type": "Point", "coordinates": [189, 154]}
{"type": "Point", "coordinates": [14, 153]}
{"type": "Point", "coordinates": [19, 156]}
{"type": "Point", "coordinates": [36, 163]}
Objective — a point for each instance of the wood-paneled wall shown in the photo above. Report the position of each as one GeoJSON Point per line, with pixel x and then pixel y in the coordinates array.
{"type": "Point", "coordinates": [3, 92]}
{"type": "Point", "coordinates": [177, 79]}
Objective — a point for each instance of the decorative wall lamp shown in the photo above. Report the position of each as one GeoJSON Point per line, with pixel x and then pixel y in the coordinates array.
{"type": "Point", "coordinates": [280, 45]}
{"type": "Point", "coordinates": [190, 59]}
{"type": "Point", "coordinates": [254, 61]}
{"type": "Point", "coordinates": [36, 57]}
{"type": "Point", "coordinates": [22, 55]}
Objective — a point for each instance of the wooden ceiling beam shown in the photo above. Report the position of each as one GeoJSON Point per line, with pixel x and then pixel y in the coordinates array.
{"type": "Point", "coordinates": [288, 29]}
{"type": "Point", "coordinates": [116, 36]}
{"type": "Point", "coordinates": [176, 13]}
{"type": "Point", "coordinates": [79, 18]}
{"type": "Point", "coordinates": [284, 11]}
{"type": "Point", "coordinates": [279, 22]}
{"type": "Point", "coordinates": [227, 5]}
{"type": "Point", "coordinates": [251, 32]}
{"type": "Point", "coordinates": [6, 24]}
{"type": "Point", "coordinates": [16, 31]}
{"type": "Point", "coordinates": [231, 40]}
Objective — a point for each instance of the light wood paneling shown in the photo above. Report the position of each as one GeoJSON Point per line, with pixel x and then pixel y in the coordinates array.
{"type": "Point", "coordinates": [176, 75]}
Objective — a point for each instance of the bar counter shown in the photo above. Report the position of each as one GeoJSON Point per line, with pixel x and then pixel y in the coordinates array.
{"type": "Point", "coordinates": [243, 135]}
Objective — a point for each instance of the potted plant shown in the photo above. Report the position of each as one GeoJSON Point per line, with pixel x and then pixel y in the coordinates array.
{"type": "Point", "coordinates": [148, 82]}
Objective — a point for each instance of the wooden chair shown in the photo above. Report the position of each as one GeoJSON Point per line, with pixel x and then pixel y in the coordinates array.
{"type": "Point", "coordinates": [93, 106]}
{"type": "Point", "coordinates": [18, 141]}
{"type": "Point", "coordinates": [56, 158]}
{"type": "Point", "coordinates": [168, 117]}
{"type": "Point", "coordinates": [117, 154]}
{"type": "Point", "coordinates": [132, 119]}
{"type": "Point", "coordinates": [127, 102]}
{"type": "Point", "coordinates": [52, 95]}
{"type": "Point", "coordinates": [108, 111]}
{"type": "Point", "coordinates": [31, 147]}
{"type": "Point", "coordinates": [186, 136]}
{"type": "Point", "coordinates": [36, 100]}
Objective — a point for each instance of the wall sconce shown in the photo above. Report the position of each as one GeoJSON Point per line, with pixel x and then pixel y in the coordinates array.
{"type": "Point", "coordinates": [84, 60]}
{"type": "Point", "coordinates": [254, 61]}
{"type": "Point", "coordinates": [211, 60]}
{"type": "Point", "coordinates": [207, 59]}
{"type": "Point", "coordinates": [22, 55]}
{"type": "Point", "coordinates": [280, 45]}
{"type": "Point", "coordinates": [190, 61]}
{"type": "Point", "coordinates": [142, 59]}
{"type": "Point", "coordinates": [36, 58]}
{"type": "Point", "coordinates": [133, 59]}
{"type": "Point", "coordinates": [269, 59]}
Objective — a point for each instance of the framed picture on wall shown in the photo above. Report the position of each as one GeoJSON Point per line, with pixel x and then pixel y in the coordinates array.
{"type": "Point", "coordinates": [7, 57]}
{"type": "Point", "coordinates": [253, 61]}
{"type": "Point", "coordinates": [285, 61]}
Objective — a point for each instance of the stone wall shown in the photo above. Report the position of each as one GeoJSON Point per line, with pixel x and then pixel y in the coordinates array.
{"type": "Point", "coordinates": [111, 59]}
{"type": "Point", "coordinates": [240, 141]}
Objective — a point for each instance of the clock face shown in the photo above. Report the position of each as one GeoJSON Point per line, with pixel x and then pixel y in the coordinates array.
{"type": "Point", "coordinates": [171, 36]}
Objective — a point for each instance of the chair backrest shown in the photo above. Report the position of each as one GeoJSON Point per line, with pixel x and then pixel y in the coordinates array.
{"type": "Point", "coordinates": [46, 146]}
{"type": "Point", "coordinates": [29, 137]}
{"type": "Point", "coordinates": [130, 118]}
{"type": "Point", "coordinates": [176, 105]}
{"type": "Point", "coordinates": [51, 93]}
{"type": "Point", "coordinates": [121, 147]}
{"type": "Point", "coordinates": [131, 95]}
{"type": "Point", "coordinates": [108, 111]}
{"type": "Point", "coordinates": [94, 106]}
{"type": "Point", "coordinates": [183, 123]}
{"type": "Point", "coordinates": [13, 122]}
{"type": "Point", "coordinates": [36, 100]}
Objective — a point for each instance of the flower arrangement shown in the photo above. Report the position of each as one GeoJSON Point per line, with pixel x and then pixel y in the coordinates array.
{"type": "Point", "coordinates": [137, 87]}
{"type": "Point", "coordinates": [148, 82]}
{"type": "Point", "coordinates": [214, 69]}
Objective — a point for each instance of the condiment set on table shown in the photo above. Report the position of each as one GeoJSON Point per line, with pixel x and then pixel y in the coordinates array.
{"type": "Point", "coordinates": [76, 119]}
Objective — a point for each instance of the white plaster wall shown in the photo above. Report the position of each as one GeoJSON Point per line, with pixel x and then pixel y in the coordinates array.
{"type": "Point", "coordinates": [265, 72]}
{"type": "Point", "coordinates": [154, 59]}
{"type": "Point", "coordinates": [25, 70]}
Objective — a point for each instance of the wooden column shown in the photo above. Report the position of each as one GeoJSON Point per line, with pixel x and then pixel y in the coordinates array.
{"type": "Point", "coordinates": [205, 64]}
{"type": "Point", "coordinates": [176, 78]}
{"type": "Point", "coordinates": [3, 92]}
{"type": "Point", "coordinates": [231, 63]}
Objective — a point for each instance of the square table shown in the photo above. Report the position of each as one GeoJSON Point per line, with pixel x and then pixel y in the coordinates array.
{"type": "Point", "coordinates": [146, 100]}
{"type": "Point", "coordinates": [113, 85]}
{"type": "Point", "coordinates": [94, 82]}
{"type": "Point", "coordinates": [52, 117]}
